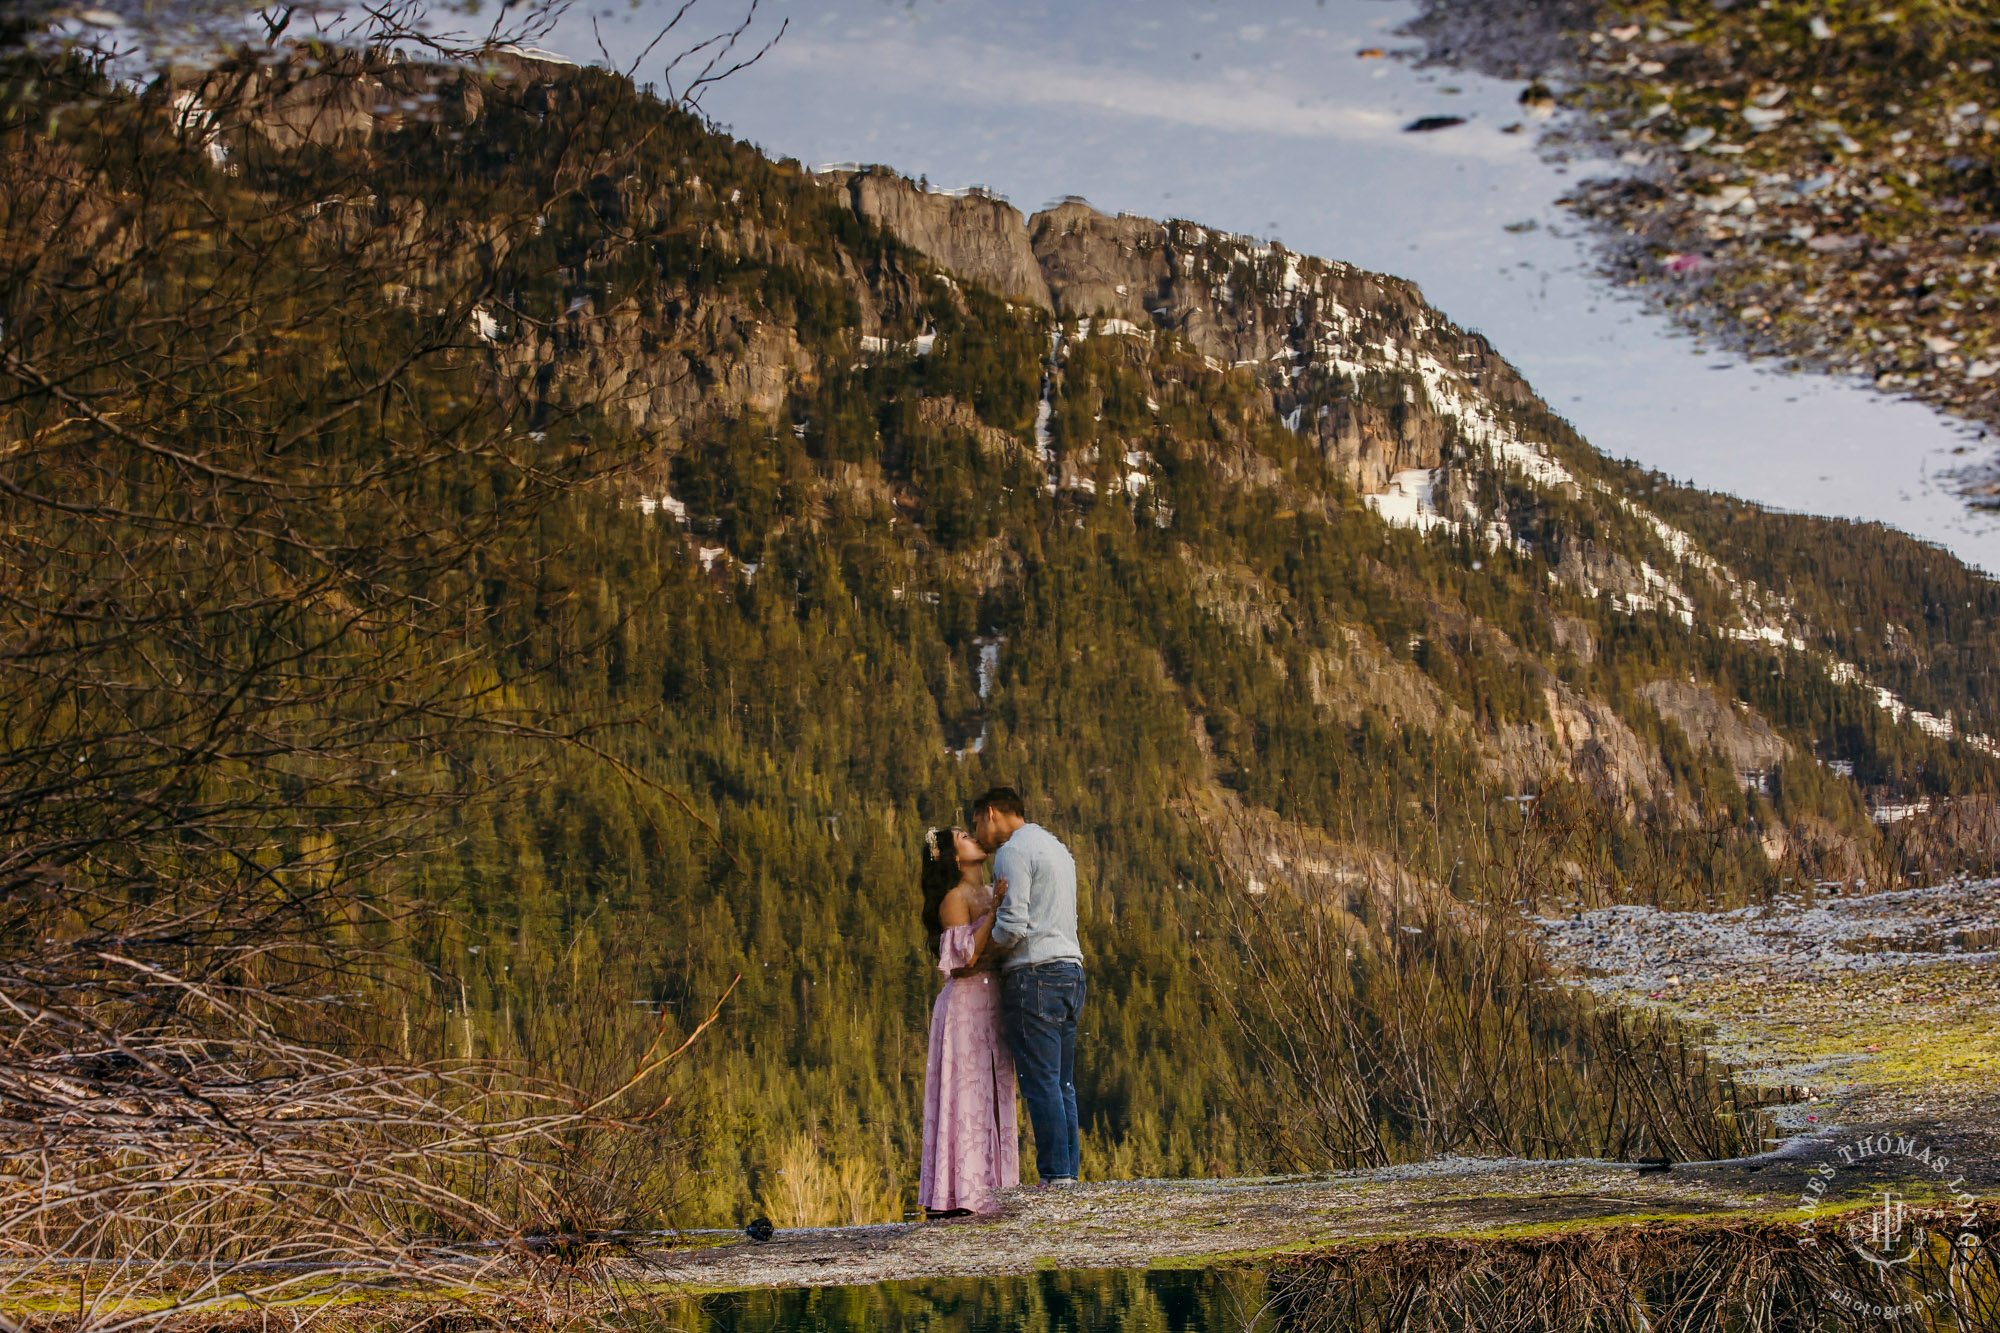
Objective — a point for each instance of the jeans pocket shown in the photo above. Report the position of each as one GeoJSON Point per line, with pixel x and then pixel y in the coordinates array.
{"type": "Point", "coordinates": [1068, 999]}
{"type": "Point", "coordinates": [1048, 1004]}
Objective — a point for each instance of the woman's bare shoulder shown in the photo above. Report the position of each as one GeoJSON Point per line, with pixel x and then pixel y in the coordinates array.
{"type": "Point", "coordinates": [959, 907]}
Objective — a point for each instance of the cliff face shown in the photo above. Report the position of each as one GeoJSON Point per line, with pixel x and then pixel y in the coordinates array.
{"type": "Point", "coordinates": [1334, 344]}
{"type": "Point", "coordinates": [1322, 328]}
{"type": "Point", "coordinates": [1097, 264]}
{"type": "Point", "coordinates": [968, 233]}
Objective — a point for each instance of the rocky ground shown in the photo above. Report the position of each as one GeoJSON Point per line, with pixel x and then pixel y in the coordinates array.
{"type": "Point", "coordinates": [1188, 1223]}
{"type": "Point", "coordinates": [1634, 951]}
{"type": "Point", "coordinates": [1177, 1222]}
{"type": "Point", "coordinates": [1882, 1012]}
{"type": "Point", "coordinates": [1880, 1008]}
{"type": "Point", "coordinates": [1812, 180]}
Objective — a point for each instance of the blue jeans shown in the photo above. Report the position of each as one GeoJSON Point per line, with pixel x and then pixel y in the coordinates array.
{"type": "Point", "coordinates": [1039, 1006]}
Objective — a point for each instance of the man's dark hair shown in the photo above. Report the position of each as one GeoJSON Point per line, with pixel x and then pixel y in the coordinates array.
{"type": "Point", "coordinates": [1004, 800]}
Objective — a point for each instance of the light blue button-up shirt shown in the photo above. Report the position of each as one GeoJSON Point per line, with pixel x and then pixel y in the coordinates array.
{"type": "Point", "coordinates": [1037, 919]}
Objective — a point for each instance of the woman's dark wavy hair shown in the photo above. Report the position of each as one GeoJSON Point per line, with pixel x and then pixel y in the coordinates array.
{"type": "Point", "coordinates": [939, 874]}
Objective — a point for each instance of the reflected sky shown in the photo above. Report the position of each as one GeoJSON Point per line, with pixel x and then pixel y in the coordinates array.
{"type": "Point", "coordinates": [1260, 117]}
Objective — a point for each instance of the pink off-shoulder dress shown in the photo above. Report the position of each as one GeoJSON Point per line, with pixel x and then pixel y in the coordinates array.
{"type": "Point", "coordinates": [971, 1141]}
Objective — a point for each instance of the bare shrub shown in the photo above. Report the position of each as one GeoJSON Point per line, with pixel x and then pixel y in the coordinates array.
{"type": "Point", "coordinates": [270, 596]}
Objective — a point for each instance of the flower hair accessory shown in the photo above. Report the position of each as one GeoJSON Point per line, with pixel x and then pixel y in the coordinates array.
{"type": "Point", "coordinates": [930, 841]}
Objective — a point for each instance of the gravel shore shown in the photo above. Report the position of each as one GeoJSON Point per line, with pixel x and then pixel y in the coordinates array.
{"type": "Point", "coordinates": [1817, 183]}
{"type": "Point", "coordinates": [1630, 949]}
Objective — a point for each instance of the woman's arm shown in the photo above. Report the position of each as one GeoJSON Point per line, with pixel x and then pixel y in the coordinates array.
{"type": "Point", "coordinates": [982, 939]}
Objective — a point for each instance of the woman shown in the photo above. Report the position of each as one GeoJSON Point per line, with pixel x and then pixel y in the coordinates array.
{"type": "Point", "coordinates": [971, 1144]}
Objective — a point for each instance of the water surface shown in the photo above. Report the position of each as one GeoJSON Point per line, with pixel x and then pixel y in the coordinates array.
{"type": "Point", "coordinates": [1834, 1275]}
{"type": "Point", "coordinates": [1079, 1301]}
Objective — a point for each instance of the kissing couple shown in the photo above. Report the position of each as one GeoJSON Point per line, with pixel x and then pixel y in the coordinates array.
{"type": "Point", "coordinates": [1013, 993]}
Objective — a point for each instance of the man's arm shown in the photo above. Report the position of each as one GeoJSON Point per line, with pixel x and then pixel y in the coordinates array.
{"type": "Point", "coordinates": [1010, 922]}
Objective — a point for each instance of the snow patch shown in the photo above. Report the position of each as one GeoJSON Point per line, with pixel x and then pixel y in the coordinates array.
{"type": "Point", "coordinates": [1767, 634]}
{"type": "Point", "coordinates": [1534, 463]}
{"type": "Point", "coordinates": [920, 345]}
{"type": "Point", "coordinates": [1105, 328]}
{"type": "Point", "coordinates": [653, 504]}
{"type": "Point", "coordinates": [1411, 501]}
{"type": "Point", "coordinates": [1045, 442]}
{"type": "Point", "coordinates": [989, 662]}
{"type": "Point", "coordinates": [1943, 728]}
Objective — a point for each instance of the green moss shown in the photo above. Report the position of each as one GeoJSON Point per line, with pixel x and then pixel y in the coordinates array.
{"type": "Point", "coordinates": [1909, 1029]}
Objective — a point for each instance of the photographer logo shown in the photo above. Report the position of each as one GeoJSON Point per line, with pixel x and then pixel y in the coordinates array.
{"type": "Point", "coordinates": [1926, 1208]}
{"type": "Point", "coordinates": [1886, 1236]}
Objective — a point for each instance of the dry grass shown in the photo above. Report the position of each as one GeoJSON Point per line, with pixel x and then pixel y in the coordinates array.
{"type": "Point", "coordinates": [243, 690]}
{"type": "Point", "coordinates": [810, 1189]}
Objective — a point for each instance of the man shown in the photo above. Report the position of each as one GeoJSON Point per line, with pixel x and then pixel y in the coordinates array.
{"type": "Point", "coordinates": [1041, 972]}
